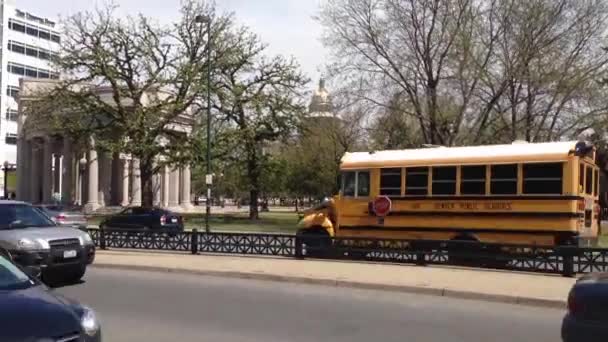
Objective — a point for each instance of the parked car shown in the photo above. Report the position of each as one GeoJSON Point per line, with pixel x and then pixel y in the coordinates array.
{"type": "Point", "coordinates": [65, 216]}
{"type": "Point", "coordinates": [142, 218]}
{"type": "Point", "coordinates": [30, 311]}
{"type": "Point", "coordinates": [32, 239]}
{"type": "Point", "coordinates": [587, 316]}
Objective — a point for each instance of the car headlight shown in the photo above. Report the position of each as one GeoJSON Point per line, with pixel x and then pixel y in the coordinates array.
{"type": "Point", "coordinates": [27, 244]}
{"type": "Point", "coordinates": [89, 322]}
{"type": "Point", "coordinates": [85, 239]}
{"type": "Point", "coordinates": [43, 244]}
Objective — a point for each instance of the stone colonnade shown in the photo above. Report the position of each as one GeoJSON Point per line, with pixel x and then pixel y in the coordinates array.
{"type": "Point", "coordinates": [52, 166]}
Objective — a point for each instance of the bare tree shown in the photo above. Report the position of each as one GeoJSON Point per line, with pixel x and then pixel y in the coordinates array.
{"type": "Point", "coordinates": [473, 71]}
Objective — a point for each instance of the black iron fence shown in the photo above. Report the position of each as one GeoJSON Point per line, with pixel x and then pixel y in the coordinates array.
{"type": "Point", "coordinates": [566, 260]}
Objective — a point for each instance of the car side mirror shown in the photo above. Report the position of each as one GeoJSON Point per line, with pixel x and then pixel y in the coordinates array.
{"type": "Point", "coordinates": [33, 271]}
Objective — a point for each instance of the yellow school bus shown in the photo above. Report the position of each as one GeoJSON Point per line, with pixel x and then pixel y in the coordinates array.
{"type": "Point", "coordinates": [522, 193]}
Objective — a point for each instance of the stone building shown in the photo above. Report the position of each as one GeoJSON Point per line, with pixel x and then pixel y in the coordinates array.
{"type": "Point", "coordinates": [51, 167]}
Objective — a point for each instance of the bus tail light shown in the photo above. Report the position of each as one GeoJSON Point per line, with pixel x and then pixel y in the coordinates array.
{"type": "Point", "coordinates": [581, 205]}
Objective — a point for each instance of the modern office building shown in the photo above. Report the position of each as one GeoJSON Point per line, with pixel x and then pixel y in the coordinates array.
{"type": "Point", "coordinates": [28, 42]}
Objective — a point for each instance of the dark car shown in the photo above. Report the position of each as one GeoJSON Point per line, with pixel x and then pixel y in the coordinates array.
{"type": "Point", "coordinates": [587, 317]}
{"type": "Point", "coordinates": [141, 218]}
{"type": "Point", "coordinates": [29, 311]}
{"type": "Point", "coordinates": [65, 216]}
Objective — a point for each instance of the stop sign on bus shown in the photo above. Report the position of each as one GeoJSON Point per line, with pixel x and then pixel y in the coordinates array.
{"type": "Point", "coordinates": [381, 205]}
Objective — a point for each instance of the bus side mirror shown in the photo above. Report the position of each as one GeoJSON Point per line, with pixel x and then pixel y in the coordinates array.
{"type": "Point", "coordinates": [582, 148]}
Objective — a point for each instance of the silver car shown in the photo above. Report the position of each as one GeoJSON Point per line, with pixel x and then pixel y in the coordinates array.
{"type": "Point", "coordinates": [65, 216]}
{"type": "Point", "coordinates": [33, 239]}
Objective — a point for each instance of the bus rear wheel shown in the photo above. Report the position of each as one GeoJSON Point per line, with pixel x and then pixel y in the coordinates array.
{"type": "Point", "coordinates": [468, 251]}
{"type": "Point", "coordinates": [316, 242]}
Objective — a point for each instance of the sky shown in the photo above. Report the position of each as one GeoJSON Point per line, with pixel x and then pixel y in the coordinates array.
{"type": "Point", "coordinates": [287, 26]}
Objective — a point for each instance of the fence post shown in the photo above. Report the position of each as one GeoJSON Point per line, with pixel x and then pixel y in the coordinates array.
{"type": "Point", "coordinates": [419, 249]}
{"type": "Point", "coordinates": [298, 247]}
{"type": "Point", "coordinates": [102, 238]}
{"type": "Point", "coordinates": [567, 254]}
{"type": "Point", "coordinates": [194, 241]}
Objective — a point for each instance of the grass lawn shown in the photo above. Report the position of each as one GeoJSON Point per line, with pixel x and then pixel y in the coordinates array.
{"type": "Point", "coordinates": [270, 222]}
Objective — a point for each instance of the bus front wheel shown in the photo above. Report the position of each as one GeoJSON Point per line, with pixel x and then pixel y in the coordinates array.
{"type": "Point", "coordinates": [316, 242]}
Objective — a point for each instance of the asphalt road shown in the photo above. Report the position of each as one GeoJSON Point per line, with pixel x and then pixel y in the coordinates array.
{"type": "Point", "coordinates": [148, 306]}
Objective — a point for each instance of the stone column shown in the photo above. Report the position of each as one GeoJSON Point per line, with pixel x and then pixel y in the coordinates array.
{"type": "Point", "coordinates": [34, 171]}
{"type": "Point", "coordinates": [185, 188]}
{"type": "Point", "coordinates": [165, 192]}
{"type": "Point", "coordinates": [24, 157]}
{"type": "Point", "coordinates": [174, 188]}
{"type": "Point", "coordinates": [116, 184]}
{"type": "Point", "coordinates": [67, 170]}
{"type": "Point", "coordinates": [136, 186]}
{"type": "Point", "coordinates": [105, 179]}
{"type": "Point", "coordinates": [93, 180]}
{"type": "Point", "coordinates": [125, 183]}
{"type": "Point", "coordinates": [47, 171]}
{"type": "Point", "coordinates": [156, 188]}
{"type": "Point", "coordinates": [56, 173]}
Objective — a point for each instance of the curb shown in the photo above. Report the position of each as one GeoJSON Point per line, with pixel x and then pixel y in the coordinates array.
{"type": "Point", "coordinates": [440, 292]}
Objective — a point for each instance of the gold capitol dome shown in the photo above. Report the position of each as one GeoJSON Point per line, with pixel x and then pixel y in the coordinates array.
{"type": "Point", "coordinates": [320, 104]}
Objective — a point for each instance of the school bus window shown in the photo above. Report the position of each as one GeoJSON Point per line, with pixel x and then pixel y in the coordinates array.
{"type": "Point", "coordinates": [543, 178]}
{"type": "Point", "coordinates": [596, 182]}
{"type": "Point", "coordinates": [589, 181]}
{"type": "Point", "coordinates": [473, 180]}
{"type": "Point", "coordinates": [581, 178]}
{"type": "Point", "coordinates": [362, 184]}
{"type": "Point", "coordinates": [390, 182]}
{"type": "Point", "coordinates": [503, 179]}
{"type": "Point", "coordinates": [416, 181]}
{"type": "Point", "coordinates": [444, 180]}
{"type": "Point", "coordinates": [349, 184]}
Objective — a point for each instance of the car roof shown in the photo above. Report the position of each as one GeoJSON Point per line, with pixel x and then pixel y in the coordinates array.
{"type": "Point", "coordinates": [13, 202]}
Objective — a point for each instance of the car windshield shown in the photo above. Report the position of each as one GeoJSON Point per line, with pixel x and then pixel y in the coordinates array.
{"type": "Point", "coordinates": [16, 216]}
{"type": "Point", "coordinates": [11, 277]}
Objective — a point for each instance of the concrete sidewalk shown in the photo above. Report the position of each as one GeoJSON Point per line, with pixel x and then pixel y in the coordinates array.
{"type": "Point", "coordinates": [490, 285]}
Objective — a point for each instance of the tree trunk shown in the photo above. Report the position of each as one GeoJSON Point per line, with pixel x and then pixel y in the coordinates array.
{"type": "Point", "coordinates": [254, 213]}
{"type": "Point", "coordinates": [253, 172]}
{"type": "Point", "coordinates": [147, 173]}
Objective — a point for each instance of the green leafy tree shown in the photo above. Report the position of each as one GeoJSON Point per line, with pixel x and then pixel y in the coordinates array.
{"type": "Point", "coordinates": [151, 78]}
{"type": "Point", "coordinates": [258, 99]}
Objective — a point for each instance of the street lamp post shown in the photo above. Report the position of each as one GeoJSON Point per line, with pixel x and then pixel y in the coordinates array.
{"type": "Point", "coordinates": [201, 19]}
{"type": "Point", "coordinates": [6, 165]}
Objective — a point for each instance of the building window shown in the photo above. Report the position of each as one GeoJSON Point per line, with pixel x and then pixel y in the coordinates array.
{"type": "Point", "coordinates": [12, 91]}
{"type": "Point", "coordinates": [444, 180]}
{"type": "Point", "coordinates": [44, 34]}
{"type": "Point", "coordinates": [11, 139]}
{"type": "Point", "coordinates": [542, 178]}
{"type": "Point", "coordinates": [29, 71]}
{"type": "Point", "coordinates": [16, 69]}
{"type": "Point", "coordinates": [589, 181]}
{"type": "Point", "coordinates": [355, 183]}
{"type": "Point", "coordinates": [34, 31]}
{"type": "Point", "coordinates": [43, 54]}
{"type": "Point", "coordinates": [473, 180]}
{"type": "Point", "coordinates": [596, 183]}
{"type": "Point", "coordinates": [417, 181]}
{"type": "Point", "coordinates": [13, 25]}
{"type": "Point", "coordinates": [503, 179]}
{"type": "Point", "coordinates": [12, 115]}
{"type": "Point", "coordinates": [390, 181]}
{"type": "Point", "coordinates": [581, 178]}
